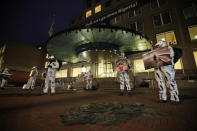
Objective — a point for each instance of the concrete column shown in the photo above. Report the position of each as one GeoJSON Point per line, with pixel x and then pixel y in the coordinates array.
{"type": "Point", "coordinates": [69, 71]}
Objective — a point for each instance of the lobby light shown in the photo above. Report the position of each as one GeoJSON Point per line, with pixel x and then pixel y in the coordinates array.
{"type": "Point", "coordinates": [163, 39]}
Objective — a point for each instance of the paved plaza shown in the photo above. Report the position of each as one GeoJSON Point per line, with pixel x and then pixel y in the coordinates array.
{"type": "Point", "coordinates": [32, 111]}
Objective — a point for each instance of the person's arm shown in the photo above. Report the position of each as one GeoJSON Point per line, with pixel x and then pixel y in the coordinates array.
{"type": "Point", "coordinates": [55, 64]}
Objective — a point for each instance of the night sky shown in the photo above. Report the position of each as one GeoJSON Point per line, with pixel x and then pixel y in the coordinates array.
{"type": "Point", "coordinates": [28, 21]}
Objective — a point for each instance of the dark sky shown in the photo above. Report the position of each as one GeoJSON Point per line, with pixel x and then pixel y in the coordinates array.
{"type": "Point", "coordinates": [28, 21]}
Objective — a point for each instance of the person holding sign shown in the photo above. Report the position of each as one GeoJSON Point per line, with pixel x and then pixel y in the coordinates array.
{"type": "Point", "coordinates": [169, 75]}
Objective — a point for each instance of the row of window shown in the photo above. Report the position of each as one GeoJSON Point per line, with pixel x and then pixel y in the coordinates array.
{"type": "Point", "coordinates": [107, 3]}
{"type": "Point", "coordinates": [158, 20]}
{"type": "Point", "coordinates": [154, 4]}
{"type": "Point", "coordinates": [170, 38]}
{"type": "Point", "coordinates": [190, 10]}
{"type": "Point", "coordinates": [96, 10]}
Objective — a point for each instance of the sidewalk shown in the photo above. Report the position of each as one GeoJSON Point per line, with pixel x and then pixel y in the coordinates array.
{"type": "Point", "coordinates": [20, 110]}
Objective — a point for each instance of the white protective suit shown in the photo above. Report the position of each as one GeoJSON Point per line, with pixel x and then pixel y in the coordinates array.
{"type": "Point", "coordinates": [89, 77]}
{"type": "Point", "coordinates": [50, 75]}
{"type": "Point", "coordinates": [32, 79]}
{"type": "Point", "coordinates": [123, 67]}
{"type": "Point", "coordinates": [169, 76]}
{"type": "Point", "coordinates": [5, 78]}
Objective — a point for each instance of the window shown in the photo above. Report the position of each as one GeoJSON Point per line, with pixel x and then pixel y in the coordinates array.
{"type": "Point", "coordinates": [162, 19]}
{"type": "Point", "coordinates": [139, 66]}
{"type": "Point", "coordinates": [116, 19]}
{"type": "Point", "coordinates": [157, 3]}
{"type": "Point", "coordinates": [78, 70]}
{"type": "Point", "coordinates": [89, 3]}
{"type": "Point", "coordinates": [108, 3]}
{"type": "Point", "coordinates": [138, 26]}
{"type": "Point", "coordinates": [133, 13]}
{"type": "Point", "coordinates": [190, 11]}
{"type": "Point", "coordinates": [97, 1]}
{"type": "Point", "coordinates": [97, 8]}
{"type": "Point", "coordinates": [195, 56]}
{"type": "Point", "coordinates": [88, 13]}
{"type": "Point", "coordinates": [104, 69]}
{"type": "Point", "coordinates": [178, 64]}
{"type": "Point", "coordinates": [169, 37]}
{"type": "Point", "coordinates": [193, 32]}
{"type": "Point", "coordinates": [61, 73]}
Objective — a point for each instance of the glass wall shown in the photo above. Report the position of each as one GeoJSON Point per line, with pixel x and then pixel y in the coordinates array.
{"type": "Point", "coordinates": [76, 71]}
{"type": "Point", "coordinates": [104, 69]}
{"type": "Point", "coordinates": [61, 73]}
{"type": "Point", "coordinates": [139, 66]}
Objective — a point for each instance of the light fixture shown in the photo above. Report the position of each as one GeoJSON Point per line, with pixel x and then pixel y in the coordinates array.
{"type": "Point", "coordinates": [195, 37]}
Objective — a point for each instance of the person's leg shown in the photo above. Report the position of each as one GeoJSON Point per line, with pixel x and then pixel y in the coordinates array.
{"type": "Point", "coordinates": [45, 90]}
{"type": "Point", "coordinates": [161, 85]}
{"type": "Point", "coordinates": [52, 78]}
{"type": "Point", "coordinates": [127, 80]}
{"type": "Point", "coordinates": [122, 80]}
{"type": "Point", "coordinates": [3, 82]}
{"type": "Point", "coordinates": [90, 84]}
{"type": "Point", "coordinates": [33, 83]}
{"type": "Point", "coordinates": [170, 78]}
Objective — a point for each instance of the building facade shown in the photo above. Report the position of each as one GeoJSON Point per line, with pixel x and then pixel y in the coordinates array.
{"type": "Point", "coordinates": [174, 21]}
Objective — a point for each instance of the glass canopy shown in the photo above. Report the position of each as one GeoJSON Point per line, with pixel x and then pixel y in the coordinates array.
{"type": "Point", "coordinates": [68, 45]}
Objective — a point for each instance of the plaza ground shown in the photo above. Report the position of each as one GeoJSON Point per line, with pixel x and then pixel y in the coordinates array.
{"type": "Point", "coordinates": [21, 110]}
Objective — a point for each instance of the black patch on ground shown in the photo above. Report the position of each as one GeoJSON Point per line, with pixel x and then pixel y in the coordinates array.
{"type": "Point", "coordinates": [108, 113]}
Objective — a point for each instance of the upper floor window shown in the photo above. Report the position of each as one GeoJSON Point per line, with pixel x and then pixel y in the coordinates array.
{"type": "Point", "coordinates": [108, 3]}
{"type": "Point", "coordinates": [193, 32]}
{"type": "Point", "coordinates": [97, 1]}
{"type": "Point", "coordinates": [195, 56]}
{"type": "Point", "coordinates": [168, 37]}
{"type": "Point", "coordinates": [138, 26]}
{"type": "Point", "coordinates": [162, 19]}
{"type": "Point", "coordinates": [88, 13]}
{"type": "Point", "coordinates": [116, 19]}
{"type": "Point", "coordinates": [133, 13]}
{"type": "Point", "coordinates": [97, 8]}
{"type": "Point", "coordinates": [157, 3]}
{"type": "Point", "coordinates": [190, 10]}
{"type": "Point", "coordinates": [89, 3]}
{"type": "Point", "coordinates": [73, 21]}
